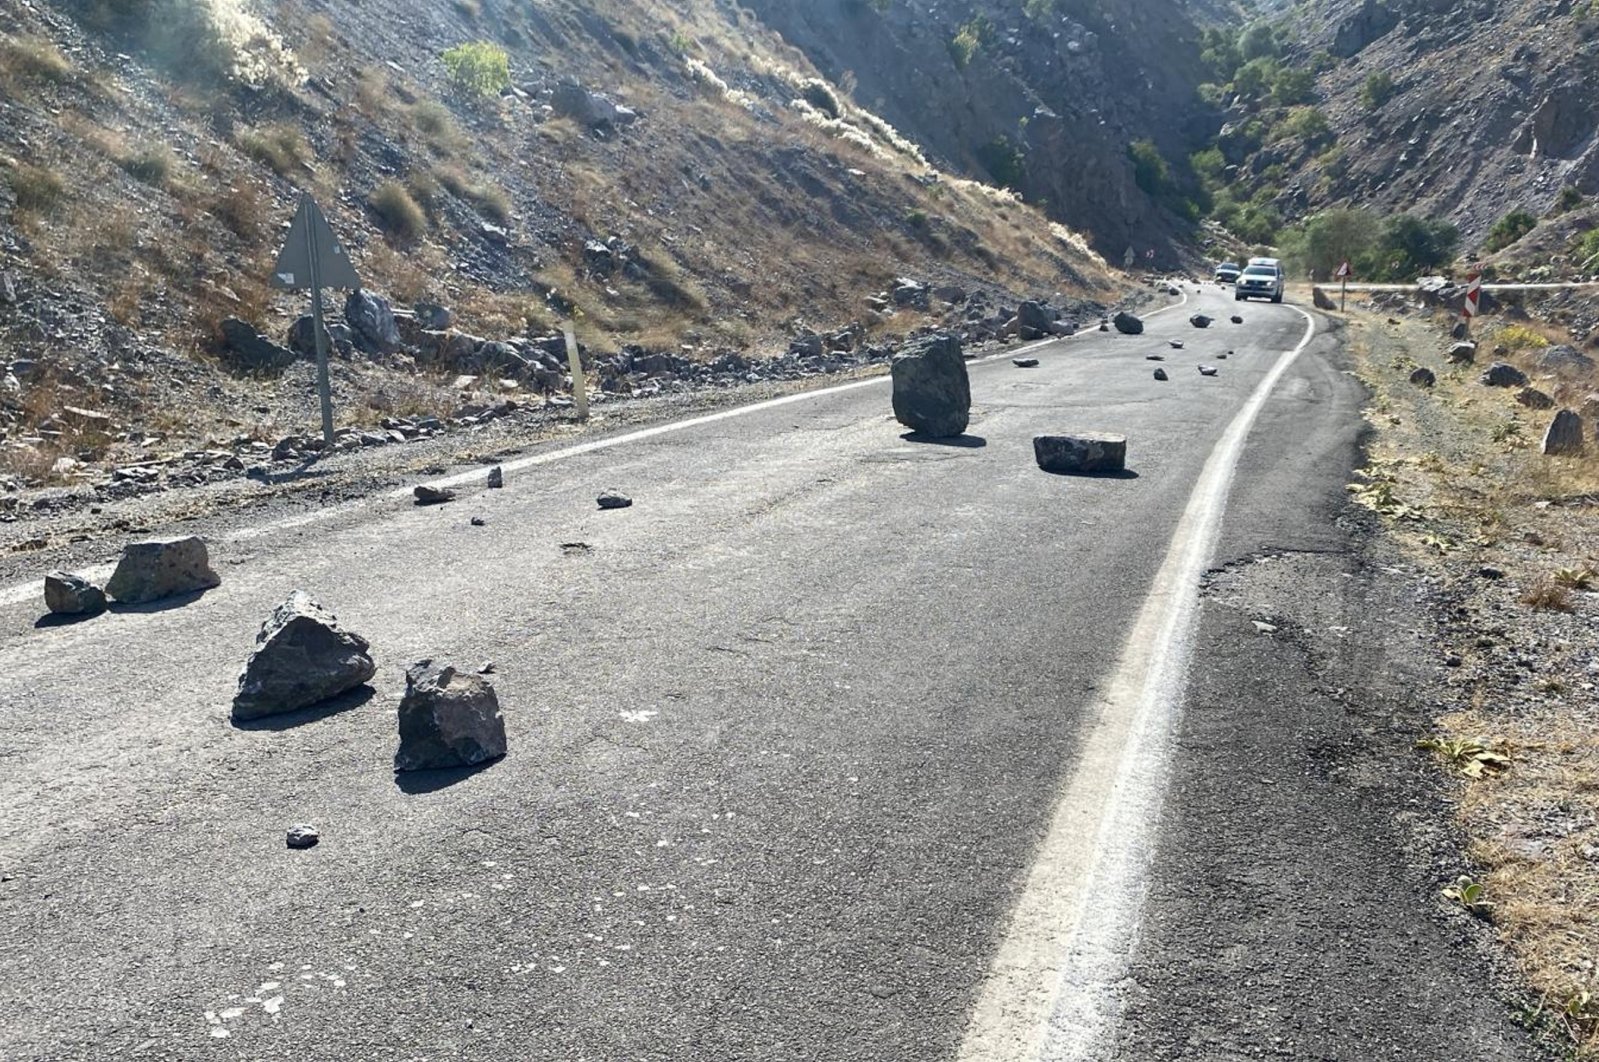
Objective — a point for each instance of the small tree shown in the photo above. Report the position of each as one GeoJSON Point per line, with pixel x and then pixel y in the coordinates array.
{"type": "Point", "coordinates": [1378, 90]}
{"type": "Point", "coordinates": [478, 68]}
{"type": "Point", "coordinates": [1508, 229]}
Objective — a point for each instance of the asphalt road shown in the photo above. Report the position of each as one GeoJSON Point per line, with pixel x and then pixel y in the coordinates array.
{"type": "Point", "coordinates": [789, 740]}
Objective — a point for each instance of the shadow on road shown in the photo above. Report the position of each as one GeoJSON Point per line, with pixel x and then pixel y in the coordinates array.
{"type": "Point", "coordinates": [1125, 473]}
{"type": "Point", "coordinates": [415, 782]}
{"type": "Point", "coordinates": [964, 442]}
{"type": "Point", "coordinates": [54, 619]}
{"type": "Point", "coordinates": [166, 604]}
{"type": "Point", "coordinates": [344, 702]}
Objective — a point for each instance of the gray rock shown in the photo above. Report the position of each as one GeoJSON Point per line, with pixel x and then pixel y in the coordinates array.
{"type": "Point", "coordinates": [1199, 320]}
{"type": "Point", "coordinates": [592, 109]}
{"type": "Point", "coordinates": [1564, 436]}
{"type": "Point", "coordinates": [1462, 354]}
{"type": "Point", "coordinates": [426, 495]}
{"type": "Point", "coordinates": [1177, 344]}
{"type": "Point", "coordinates": [1563, 356]}
{"type": "Point", "coordinates": [1128, 325]}
{"type": "Point", "coordinates": [1533, 398]}
{"type": "Point", "coordinates": [912, 293]}
{"type": "Point", "coordinates": [66, 594]}
{"type": "Point", "coordinates": [371, 318]}
{"type": "Point", "coordinates": [302, 657]}
{"type": "Point", "coordinates": [1208, 370]}
{"type": "Point", "coordinates": [1084, 452]}
{"type": "Point", "coordinates": [251, 351]}
{"type": "Point", "coordinates": [1154, 357]}
{"type": "Point", "coordinates": [1160, 374]}
{"type": "Point", "coordinates": [1461, 330]}
{"type": "Point", "coordinates": [1025, 363]}
{"type": "Point", "coordinates": [807, 346]}
{"type": "Point", "coordinates": [433, 317]}
{"type": "Point", "coordinates": [614, 499]}
{"type": "Point", "coordinates": [478, 521]}
{"type": "Point", "coordinates": [1322, 300]}
{"type": "Point", "coordinates": [302, 336]}
{"type": "Point", "coordinates": [1423, 377]}
{"type": "Point", "coordinates": [1237, 319]}
{"type": "Point", "coordinates": [496, 477]}
{"type": "Point", "coordinates": [302, 836]}
{"type": "Point", "coordinates": [932, 393]}
{"type": "Point", "coordinates": [447, 719]}
{"type": "Point", "coordinates": [1502, 374]}
{"type": "Point", "coordinates": [160, 568]}
{"type": "Point", "coordinates": [1036, 316]}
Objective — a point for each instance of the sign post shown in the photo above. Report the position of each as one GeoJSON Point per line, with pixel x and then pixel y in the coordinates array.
{"type": "Point", "coordinates": [312, 259]}
{"type": "Point", "coordinates": [1343, 285]}
{"type": "Point", "coordinates": [580, 390]}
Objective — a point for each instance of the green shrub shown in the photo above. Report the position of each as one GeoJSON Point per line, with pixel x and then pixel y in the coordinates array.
{"type": "Point", "coordinates": [1508, 229]}
{"type": "Point", "coordinates": [398, 213]}
{"type": "Point", "coordinates": [1570, 199]}
{"type": "Point", "coordinates": [1289, 87]}
{"type": "Point", "coordinates": [969, 40]}
{"type": "Point", "coordinates": [38, 189]}
{"type": "Point", "coordinates": [478, 68]}
{"type": "Point", "coordinates": [1306, 125]}
{"type": "Point", "coordinates": [1586, 250]}
{"type": "Point", "coordinates": [1378, 90]}
{"type": "Point", "coordinates": [1150, 170]}
{"type": "Point", "coordinates": [820, 95]}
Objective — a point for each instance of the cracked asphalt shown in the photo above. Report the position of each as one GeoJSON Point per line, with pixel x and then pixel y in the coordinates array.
{"type": "Point", "coordinates": [783, 739]}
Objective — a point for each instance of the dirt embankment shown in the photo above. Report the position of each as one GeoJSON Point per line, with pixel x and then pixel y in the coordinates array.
{"type": "Point", "coordinates": [1458, 475]}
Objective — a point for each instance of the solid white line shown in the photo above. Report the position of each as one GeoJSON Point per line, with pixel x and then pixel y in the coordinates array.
{"type": "Point", "coordinates": [22, 592]}
{"type": "Point", "coordinates": [1051, 992]}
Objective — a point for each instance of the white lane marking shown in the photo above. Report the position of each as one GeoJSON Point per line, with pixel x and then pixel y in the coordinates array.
{"type": "Point", "coordinates": [31, 591]}
{"type": "Point", "coordinates": [1051, 992]}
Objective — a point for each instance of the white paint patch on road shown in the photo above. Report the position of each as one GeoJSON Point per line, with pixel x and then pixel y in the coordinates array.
{"type": "Point", "coordinates": [1051, 993]}
{"type": "Point", "coordinates": [34, 591]}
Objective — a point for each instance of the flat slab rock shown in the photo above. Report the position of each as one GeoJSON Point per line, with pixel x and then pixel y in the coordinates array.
{"type": "Point", "coordinates": [1081, 453]}
{"type": "Point", "coordinates": [448, 719]}
{"type": "Point", "coordinates": [161, 568]}
{"type": "Point", "coordinates": [1025, 363]}
{"type": "Point", "coordinates": [302, 657]}
{"type": "Point", "coordinates": [613, 499]}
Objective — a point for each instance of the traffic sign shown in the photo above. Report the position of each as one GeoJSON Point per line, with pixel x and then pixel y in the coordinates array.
{"type": "Point", "coordinates": [312, 253]}
{"type": "Point", "coordinates": [1344, 272]}
{"type": "Point", "coordinates": [1473, 296]}
{"type": "Point", "coordinates": [312, 259]}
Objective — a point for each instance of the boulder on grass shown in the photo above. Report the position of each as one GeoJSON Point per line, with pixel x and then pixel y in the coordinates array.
{"type": "Point", "coordinates": [1322, 300]}
{"type": "Point", "coordinates": [1533, 398]}
{"type": "Point", "coordinates": [932, 394]}
{"type": "Point", "coordinates": [1462, 354]}
{"type": "Point", "coordinates": [1503, 374]}
{"type": "Point", "coordinates": [448, 719]}
{"type": "Point", "coordinates": [1081, 453]}
{"type": "Point", "coordinates": [1423, 377]}
{"type": "Point", "coordinates": [160, 568]}
{"type": "Point", "coordinates": [66, 594]}
{"type": "Point", "coordinates": [302, 657]}
{"type": "Point", "coordinates": [1564, 436]}
{"type": "Point", "coordinates": [1128, 325]}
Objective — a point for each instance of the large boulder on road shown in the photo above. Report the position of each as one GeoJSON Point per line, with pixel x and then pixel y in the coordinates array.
{"type": "Point", "coordinates": [448, 719]}
{"type": "Point", "coordinates": [932, 393]}
{"type": "Point", "coordinates": [160, 568]}
{"type": "Point", "coordinates": [302, 657]}
{"type": "Point", "coordinates": [1128, 325]}
{"type": "Point", "coordinates": [1081, 453]}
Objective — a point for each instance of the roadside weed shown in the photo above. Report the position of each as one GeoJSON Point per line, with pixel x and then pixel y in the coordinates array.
{"type": "Point", "coordinates": [1509, 432]}
{"type": "Point", "coordinates": [1437, 543]}
{"type": "Point", "coordinates": [1574, 578]}
{"type": "Point", "coordinates": [1468, 894]}
{"type": "Point", "coordinates": [1471, 757]}
{"type": "Point", "coordinates": [1378, 496]}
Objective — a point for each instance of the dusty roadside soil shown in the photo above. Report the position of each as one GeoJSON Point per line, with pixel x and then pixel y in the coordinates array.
{"type": "Point", "coordinates": [1512, 538]}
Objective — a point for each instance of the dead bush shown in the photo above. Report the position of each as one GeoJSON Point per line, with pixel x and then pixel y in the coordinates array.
{"type": "Point", "coordinates": [1547, 595]}
{"type": "Point", "coordinates": [38, 189]}
{"type": "Point", "coordinates": [32, 59]}
{"type": "Point", "coordinates": [401, 219]}
{"type": "Point", "coordinates": [281, 148]}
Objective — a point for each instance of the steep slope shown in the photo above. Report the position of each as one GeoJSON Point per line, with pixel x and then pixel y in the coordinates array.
{"type": "Point", "coordinates": [1044, 96]}
{"type": "Point", "coordinates": [641, 166]}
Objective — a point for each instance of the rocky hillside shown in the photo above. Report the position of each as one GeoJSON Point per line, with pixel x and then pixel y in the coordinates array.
{"type": "Point", "coordinates": [673, 175]}
{"type": "Point", "coordinates": [1044, 96]}
{"type": "Point", "coordinates": [1465, 112]}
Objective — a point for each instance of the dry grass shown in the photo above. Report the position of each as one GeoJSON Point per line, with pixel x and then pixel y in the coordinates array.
{"type": "Point", "coordinates": [281, 147]}
{"type": "Point", "coordinates": [402, 220]}
{"type": "Point", "coordinates": [1533, 826]}
{"type": "Point", "coordinates": [25, 59]}
{"type": "Point", "coordinates": [39, 189]}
